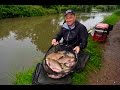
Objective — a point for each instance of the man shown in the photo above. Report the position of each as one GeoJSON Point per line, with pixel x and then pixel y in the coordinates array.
{"type": "Point", "coordinates": [73, 33]}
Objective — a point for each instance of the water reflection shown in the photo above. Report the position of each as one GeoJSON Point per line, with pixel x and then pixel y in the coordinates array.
{"type": "Point", "coordinates": [42, 29]}
{"type": "Point", "coordinates": [24, 41]}
{"type": "Point", "coordinates": [91, 19]}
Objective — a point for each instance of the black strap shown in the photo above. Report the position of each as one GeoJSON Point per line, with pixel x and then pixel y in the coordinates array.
{"type": "Point", "coordinates": [104, 31]}
{"type": "Point", "coordinates": [48, 50]}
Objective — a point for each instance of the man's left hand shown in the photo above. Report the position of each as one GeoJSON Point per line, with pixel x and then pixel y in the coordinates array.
{"type": "Point", "coordinates": [77, 49]}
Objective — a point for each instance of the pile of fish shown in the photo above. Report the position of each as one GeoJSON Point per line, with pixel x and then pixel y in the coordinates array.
{"type": "Point", "coordinates": [60, 62]}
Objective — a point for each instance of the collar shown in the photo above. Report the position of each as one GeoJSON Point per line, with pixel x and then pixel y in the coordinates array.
{"type": "Point", "coordinates": [68, 27]}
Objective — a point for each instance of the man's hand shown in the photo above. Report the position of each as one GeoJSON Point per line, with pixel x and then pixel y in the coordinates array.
{"type": "Point", "coordinates": [77, 49]}
{"type": "Point", "coordinates": [54, 42]}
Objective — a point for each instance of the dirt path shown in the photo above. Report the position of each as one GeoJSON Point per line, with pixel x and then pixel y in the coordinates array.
{"type": "Point", "coordinates": [110, 71]}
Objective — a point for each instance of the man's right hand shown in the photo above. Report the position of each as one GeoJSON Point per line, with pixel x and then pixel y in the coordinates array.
{"type": "Point", "coordinates": [54, 42]}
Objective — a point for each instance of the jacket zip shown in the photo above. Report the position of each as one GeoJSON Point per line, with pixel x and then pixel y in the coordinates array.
{"type": "Point", "coordinates": [67, 37]}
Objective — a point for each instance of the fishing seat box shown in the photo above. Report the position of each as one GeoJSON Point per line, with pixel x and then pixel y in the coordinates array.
{"type": "Point", "coordinates": [101, 32]}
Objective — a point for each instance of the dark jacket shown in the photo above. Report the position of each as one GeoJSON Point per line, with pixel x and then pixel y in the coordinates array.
{"type": "Point", "coordinates": [75, 37]}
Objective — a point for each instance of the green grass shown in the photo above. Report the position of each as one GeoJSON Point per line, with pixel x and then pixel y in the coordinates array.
{"type": "Point", "coordinates": [93, 64]}
{"type": "Point", "coordinates": [113, 19]}
{"type": "Point", "coordinates": [24, 77]}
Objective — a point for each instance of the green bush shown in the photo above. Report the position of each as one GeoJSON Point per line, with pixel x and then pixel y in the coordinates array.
{"type": "Point", "coordinates": [24, 11]}
{"type": "Point", "coordinates": [50, 11]}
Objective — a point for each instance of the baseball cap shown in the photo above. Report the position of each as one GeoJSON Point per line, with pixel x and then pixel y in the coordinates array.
{"type": "Point", "coordinates": [69, 11]}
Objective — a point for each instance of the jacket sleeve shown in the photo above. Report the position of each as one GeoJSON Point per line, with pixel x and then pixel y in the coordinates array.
{"type": "Point", "coordinates": [83, 37]}
{"type": "Point", "coordinates": [59, 35]}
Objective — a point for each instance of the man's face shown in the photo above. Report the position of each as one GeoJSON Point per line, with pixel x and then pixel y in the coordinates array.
{"type": "Point", "coordinates": [70, 18]}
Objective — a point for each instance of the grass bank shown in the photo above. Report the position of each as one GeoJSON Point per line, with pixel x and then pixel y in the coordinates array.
{"type": "Point", "coordinates": [114, 18]}
{"type": "Point", "coordinates": [93, 64]}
